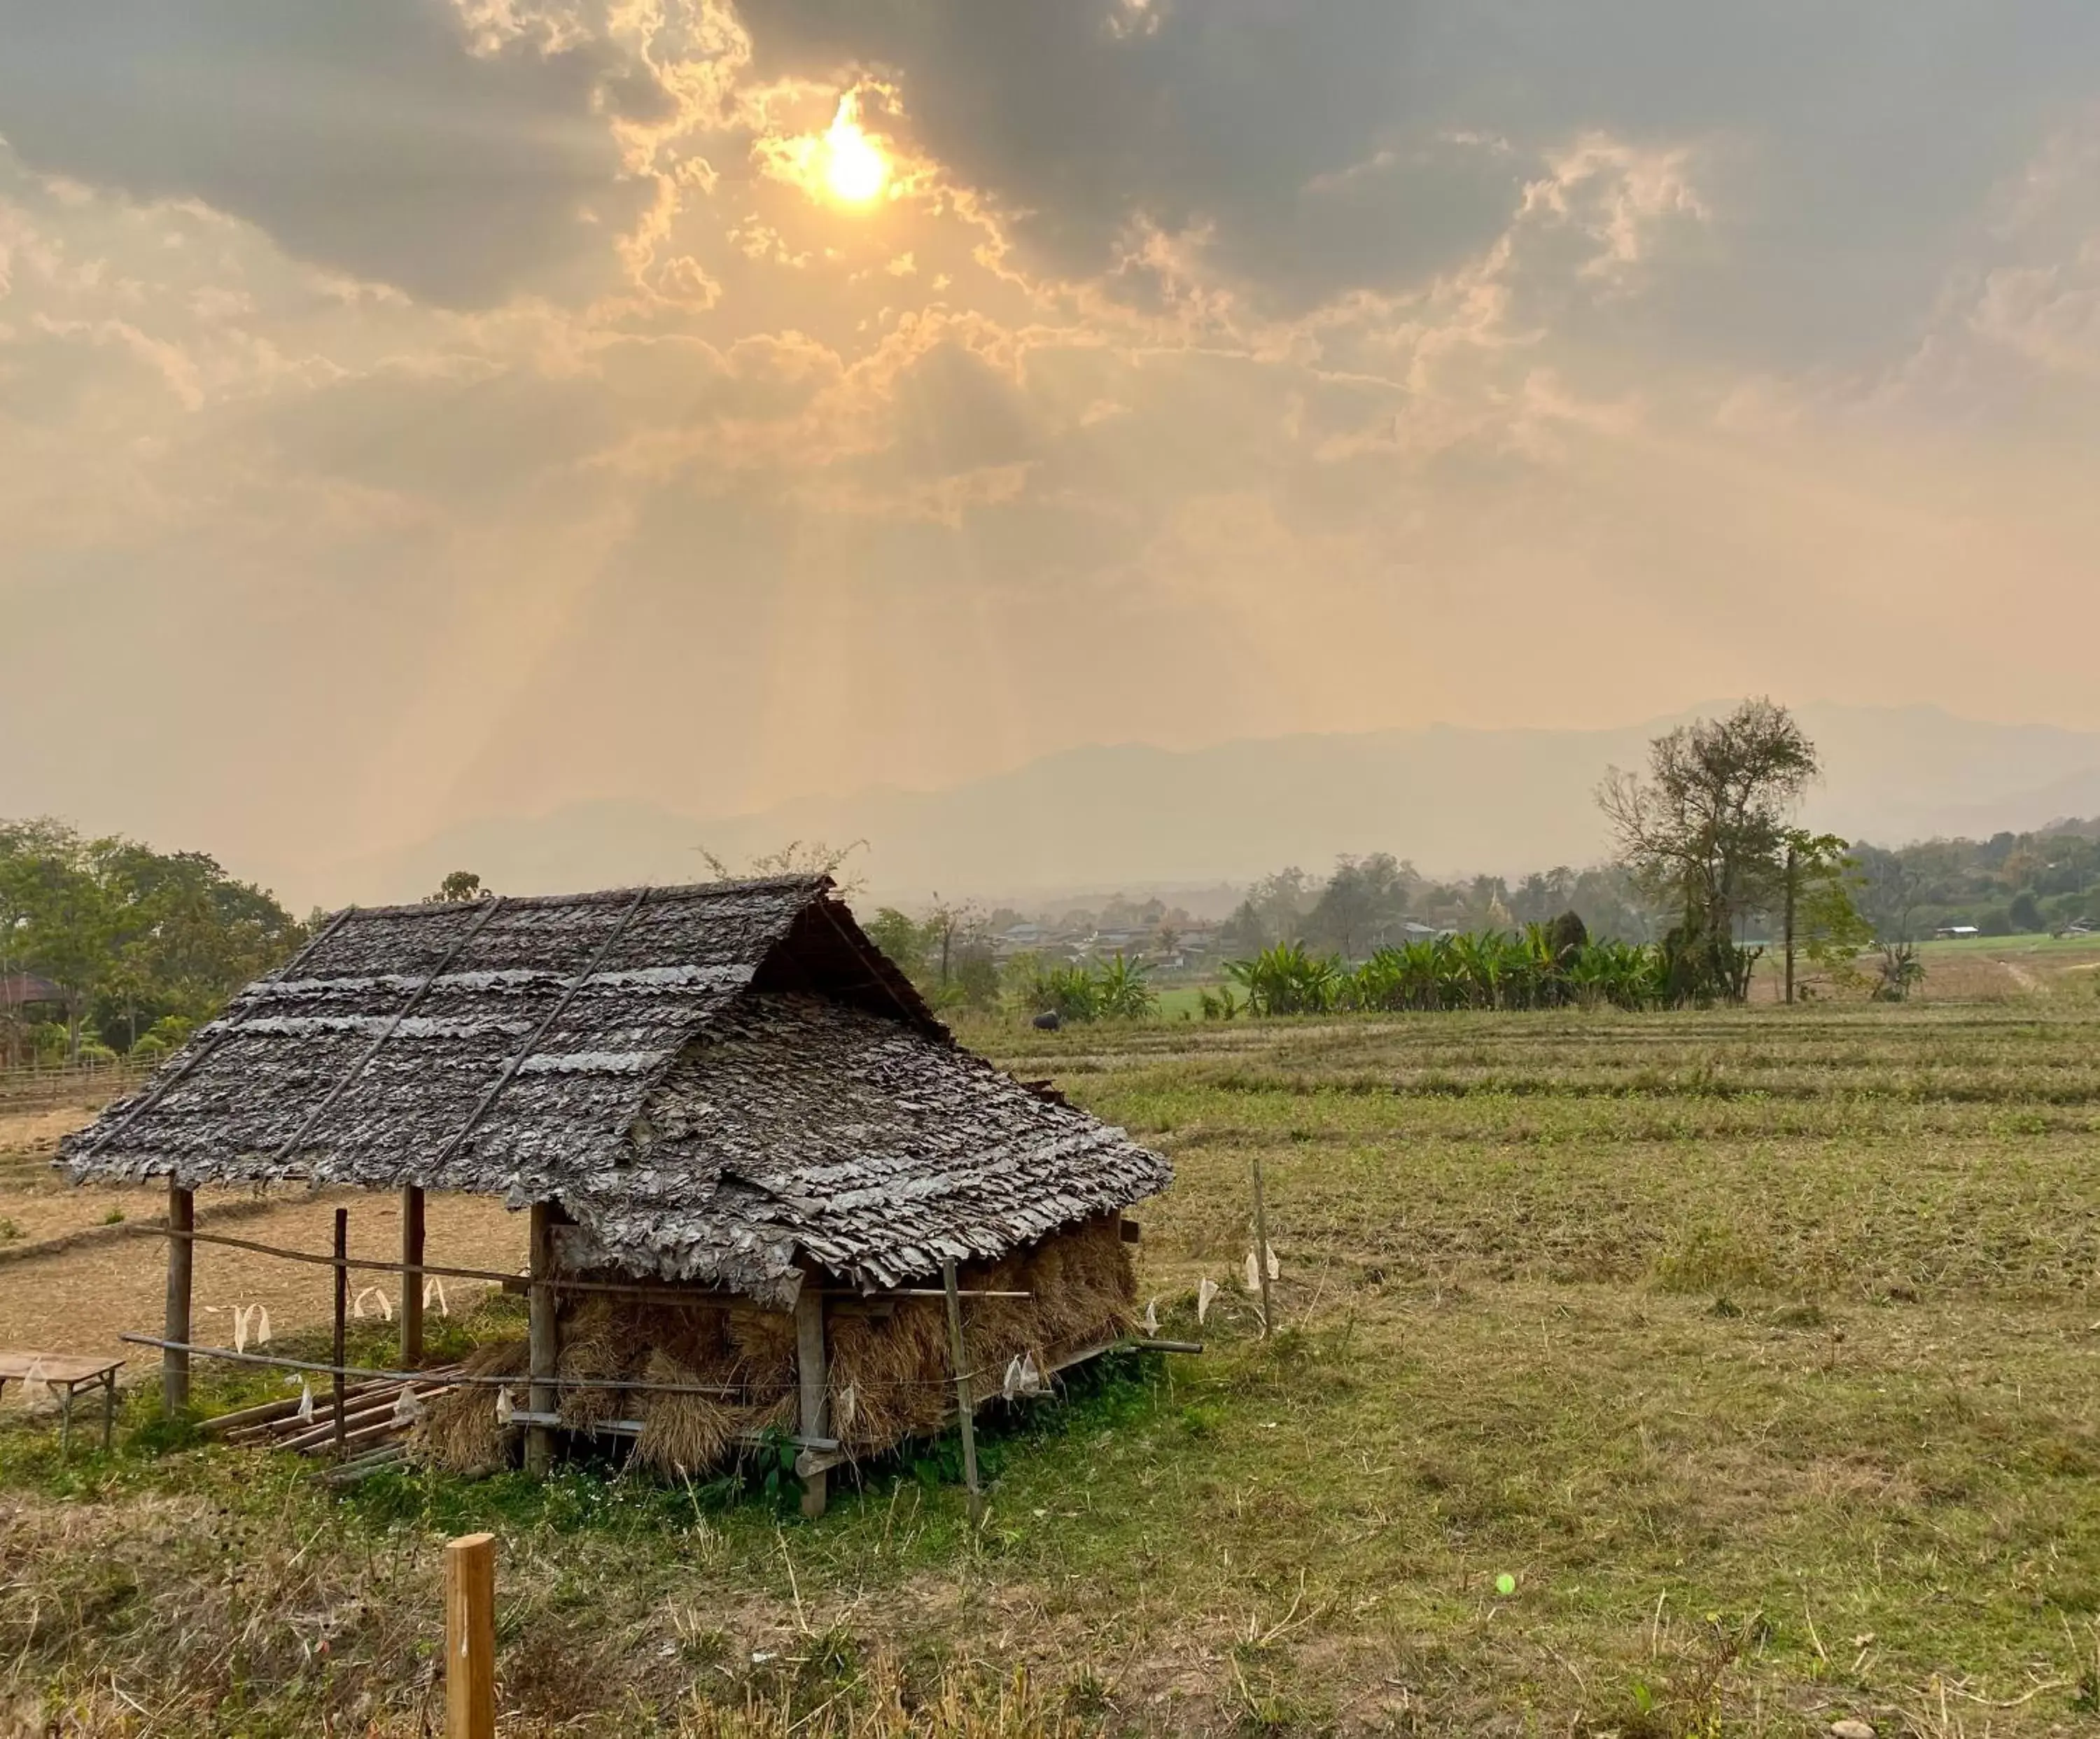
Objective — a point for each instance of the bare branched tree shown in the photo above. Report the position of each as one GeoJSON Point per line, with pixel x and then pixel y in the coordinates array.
{"type": "Point", "coordinates": [1704, 831]}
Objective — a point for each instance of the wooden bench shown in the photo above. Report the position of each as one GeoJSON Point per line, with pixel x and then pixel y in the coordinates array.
{"type": "Point", "coordinates": [66, 1373]}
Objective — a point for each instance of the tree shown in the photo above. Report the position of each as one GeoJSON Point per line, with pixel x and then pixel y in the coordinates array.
{"type": "Point", "coordinates": [1566, 937]}
{"type": "Point", "coordinates": [1823, 916]}
{"type": "Point", "coordinates": [132, 936]}
{"type": "Point", "coordinates": [949, 925]}
{"type": "Point", "coordinates": [66, 925]}
{"type": "Point", "coordinates": [1706, 832]}
{"type": "Point", "coordinates": [1890, 886]}
{"type": "Point", "coordinates": [459, 886]}
{"type": "Point", "coordinates": [1540, 896]}
{"type": "Point", "coordinates": [2026, 911]}
{"type": "Point", "coordinates": [186, 936]}
{"type": "Point", "coordinates": [900, 936]}
{"type": "Point", "coordinates": [1362, 906]}
{"type": "Point", "coordinates": [1273, 911]}
{"type": "Point", "coordinates": [1817, 875]}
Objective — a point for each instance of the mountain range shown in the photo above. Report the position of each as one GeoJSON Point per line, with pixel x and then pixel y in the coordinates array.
{"type": "Point", "coordinates": [1131, 816]}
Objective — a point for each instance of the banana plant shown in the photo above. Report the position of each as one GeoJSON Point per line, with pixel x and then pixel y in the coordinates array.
{"type": "Point", "coordinates": [1285, 979]}
{"type": "Point", "coordinates": [1120, 991]}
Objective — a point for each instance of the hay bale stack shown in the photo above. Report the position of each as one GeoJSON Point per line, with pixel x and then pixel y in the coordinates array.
{"type": "Point", "coordinates": [896, 1373]}
{"type": "Point", "coordinates": [891, 1377]}
{"type": "Point", "coordinates": [1082, 1289]}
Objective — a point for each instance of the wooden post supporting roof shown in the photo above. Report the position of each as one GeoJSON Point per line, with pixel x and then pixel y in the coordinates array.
{"type": "Point", "coordinates": [412, 1279]}
{"type": "Point", "coordinates": [543, 1341]}
{"type": "Point", "coordinates": [175, 1365]}
{"type": "Point", "coordinates": [965, 1379]}
{"type": "Point", "coordinates": [815, 1379]}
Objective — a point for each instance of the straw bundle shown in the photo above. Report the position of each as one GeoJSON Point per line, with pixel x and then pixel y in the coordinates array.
{"type": "Point", "coordinates": [592, 1346]}
{"type": "Point", "coordinates": [458, 1429]}
{"type": "Point", "coordinates": [682, 1434]}
{"type": "Point", "coordinates": [898, 1371]}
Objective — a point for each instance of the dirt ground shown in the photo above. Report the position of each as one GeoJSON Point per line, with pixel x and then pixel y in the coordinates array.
{"type": "Point", "coordinates": [78, 1299]}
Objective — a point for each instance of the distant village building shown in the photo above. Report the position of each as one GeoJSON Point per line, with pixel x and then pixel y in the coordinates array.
{"type": "Point", "coordinates": [21, 990]}
{"type": "Point", "coordinates": [1956, 932]}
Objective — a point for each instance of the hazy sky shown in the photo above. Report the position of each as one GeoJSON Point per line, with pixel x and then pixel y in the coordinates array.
{"type": "Point", "coordinates": [419, 408]}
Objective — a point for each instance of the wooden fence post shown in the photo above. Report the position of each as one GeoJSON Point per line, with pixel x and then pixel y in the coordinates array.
{"type": "Point", "coordinates": [182, 1253]}
{"type": "Point", "coordinates": [341, 1313]}
{"type": "Point", "coordinates": [964, 1409]}
{"type": "Point", "coordinates": [813, 1372]}
{"type": "Point", "coordinates": [1261, 1247]}
{"type": "Point", "coordinates": [470, 1637]}
{"type": "Point", "coordinates": [412, 1279]}
{"type": "Point", "coordinates": [542, 1341]}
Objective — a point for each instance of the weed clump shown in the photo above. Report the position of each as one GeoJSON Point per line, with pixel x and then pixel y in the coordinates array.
{"type": "Point", "coordinates": [1712, 1256]}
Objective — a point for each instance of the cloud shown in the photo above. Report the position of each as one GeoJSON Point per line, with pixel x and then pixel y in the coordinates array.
{"type": "Point", "coordinates": [461, 381]}
{"type": "Point", "coordinates": [370, 139]}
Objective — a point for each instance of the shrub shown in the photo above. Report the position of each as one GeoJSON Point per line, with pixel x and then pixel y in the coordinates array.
{"type": "Point", "coordinates": [1070, 991]}
{"type": "Point", "coordinates": [1488, 969]}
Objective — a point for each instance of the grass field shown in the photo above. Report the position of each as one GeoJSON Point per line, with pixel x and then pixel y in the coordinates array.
{"type": "Point", "coordinates": [1700, 1374]}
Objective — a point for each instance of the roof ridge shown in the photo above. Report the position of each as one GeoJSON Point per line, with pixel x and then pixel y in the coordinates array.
{"type": "Point", "coordinates": [658, 893]}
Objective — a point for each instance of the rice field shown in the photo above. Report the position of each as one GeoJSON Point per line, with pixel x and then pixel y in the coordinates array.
{"type": "Point", "coordinates": [1698, 1374]}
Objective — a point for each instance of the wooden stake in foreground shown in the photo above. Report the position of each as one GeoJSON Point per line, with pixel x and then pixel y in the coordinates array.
{"type": "Point", "coordinates": [342, 1311]}
{"type": "Point", "coordinates": [470, 1637]}
{"type": "Point", "coordinates": [1261, 1247]}
{"type": "Point", "coordinates": [962, 1410]}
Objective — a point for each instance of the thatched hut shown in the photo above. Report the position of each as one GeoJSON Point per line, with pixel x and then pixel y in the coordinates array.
{"type": "Point", "coordinates": [747, 1145]}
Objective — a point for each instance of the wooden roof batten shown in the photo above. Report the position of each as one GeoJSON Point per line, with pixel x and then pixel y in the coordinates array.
{"type": "Point", "coordinates": [416, 996]}
{"type": "Point", "coordinates": [553, 1014]}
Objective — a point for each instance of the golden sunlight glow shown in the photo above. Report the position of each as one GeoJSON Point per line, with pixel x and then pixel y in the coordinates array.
{"type": "Point", "coordinates": [855, 170]}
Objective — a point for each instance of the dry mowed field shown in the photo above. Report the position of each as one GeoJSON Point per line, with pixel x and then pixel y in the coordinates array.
{"type": "Point", "coordinates": [1702, 1374]}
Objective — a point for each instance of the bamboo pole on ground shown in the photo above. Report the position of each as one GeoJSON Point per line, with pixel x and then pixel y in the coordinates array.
{"type": "Point", "coordinates": [412, 1278]}
{"type": "Point", "coordinates": [174, 1365]}
{"type": "Point", "coordinates": [965, 1411]}
{"type": "Point", "coordinates": [342, 1323]}
{"type": "Point", "coordinates": [813, 1373]}
{"type": "Point", "coordinates": [542, 1341]}
{"type": "Point", "coordinates": [470, 1637]}
{"type": "Point", "coordinates": [1261, 1248]}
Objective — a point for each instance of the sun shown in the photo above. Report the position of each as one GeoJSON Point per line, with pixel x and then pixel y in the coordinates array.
{"type": "Point", "coordinates": [855, 170]}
